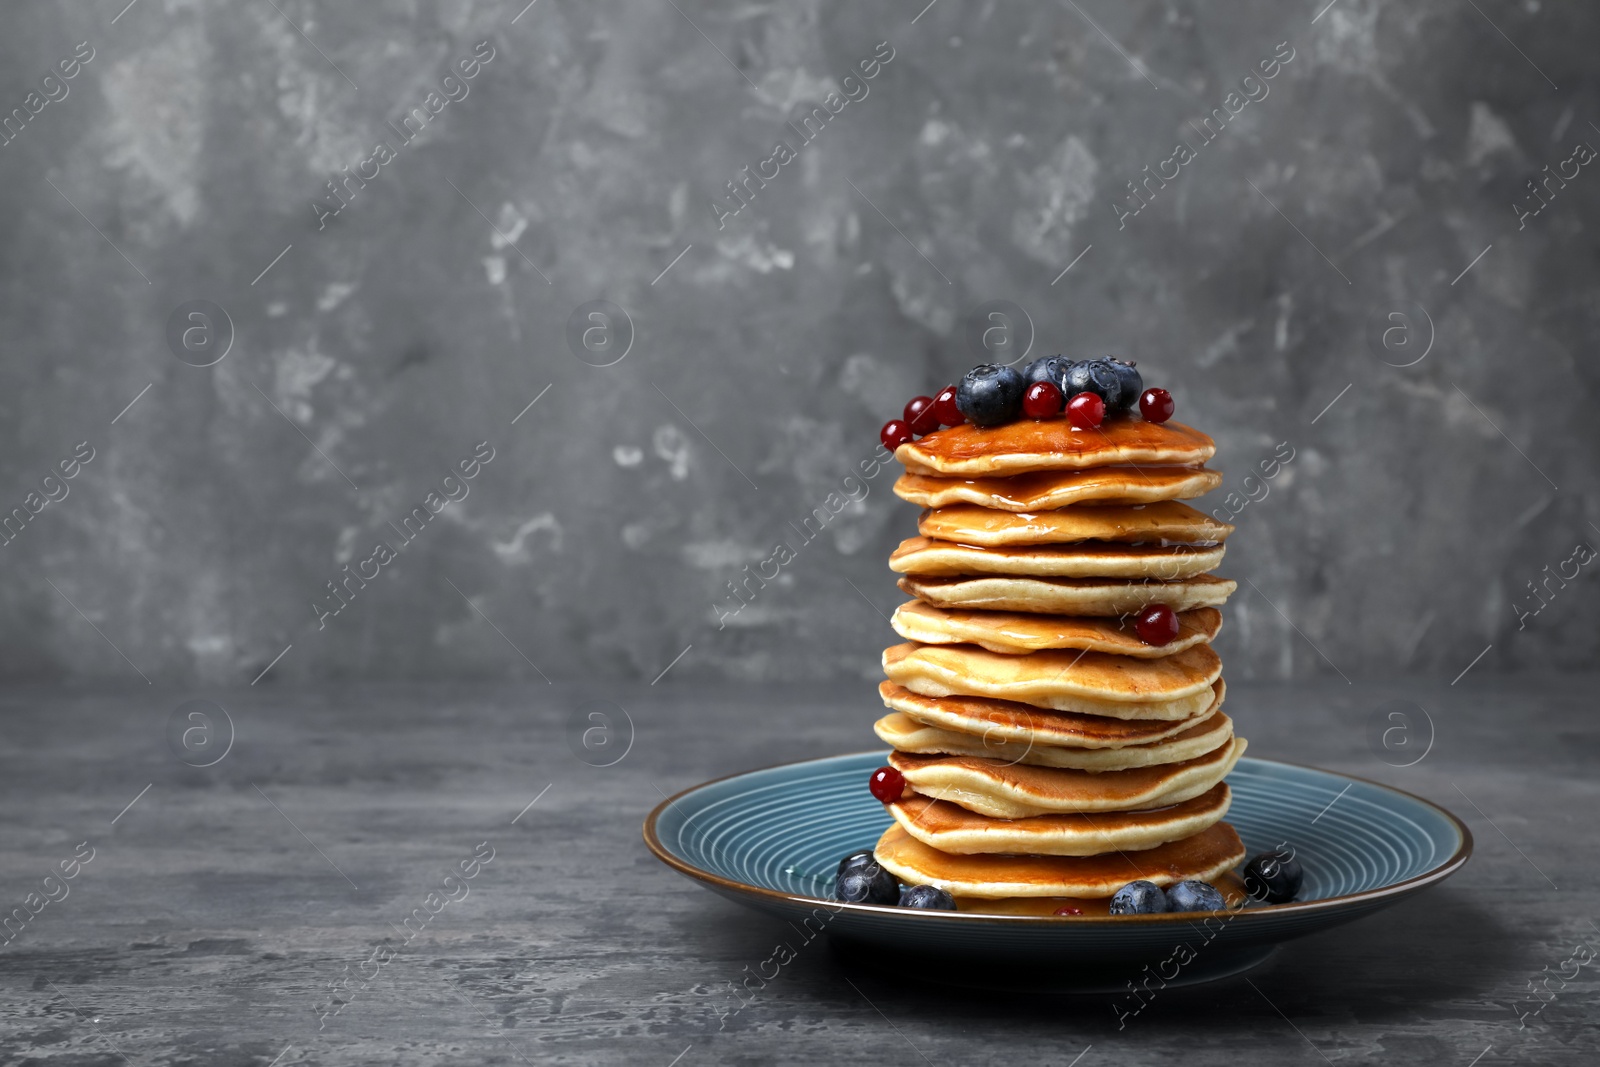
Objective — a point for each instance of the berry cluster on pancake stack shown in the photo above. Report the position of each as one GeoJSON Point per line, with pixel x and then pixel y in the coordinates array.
{"type": "Point", "coordinates": [1055, 708]}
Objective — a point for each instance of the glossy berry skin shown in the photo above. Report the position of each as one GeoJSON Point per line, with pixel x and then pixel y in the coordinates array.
{"type": "Point", "coordinates": [1194, 896]}
{"type": "Point", "coordinates": [855, 859]}
{"type": "Point", "coordinates": [887, 784]}
{"type": "Point", "coordinates": [920, 416]}
{"type": "Point", "coordinates": [1086, 411]}
{"type": "Point", "coordinates": [867, 884]}
{"type": "Point", "coordinates": [944, 407]}
{"type": "Point", "coordinates": [1042, 400]}
{"type": "Point", "coordinates": [989, 394]}
{"type": "Point", "coordinates": [1068, 909]}
{"type": "Point", "coordinates": [1097, 376]}
{"type": "Point", "coordinates": [1131, 384]}
{"type": "Point", "coordinates": [894, 434]}
{"type": "Point", "coordinates": [1274, 876]}
{"type": "Point", "coordinates": [1052, 369]}
{"type": "Point", "coordinates": [1139, 898]}
{"type": "Point", "coordinates": [1156, 405]}
{"type": "Point", "coordinates": [926, 898]}
{"type": "Point", "coordinates": [1156, 625]}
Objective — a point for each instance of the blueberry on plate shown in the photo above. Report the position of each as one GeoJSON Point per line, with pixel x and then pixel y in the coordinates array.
{"type": "Point", "coordinates": [1052, 369]}
{"type": "Point", "coordinates": [1194, 896]}
{"type": "Point", "coordinates": [1139, 898]}
{"type": "Point", "coordinates": [855, 859]}
{"type": "Point", "coordinates": [1132, 384]}
{"type": "Point", "coordinates": [866, 884]}
{"type": "Point", "coordinates": [1273, 876]}
{"type": "Point", "coordinates": [1097, 376]}
{"type": "Point", "coordinates": [989, 394]}
{"type": "Point", "coordinates": [926, 897]}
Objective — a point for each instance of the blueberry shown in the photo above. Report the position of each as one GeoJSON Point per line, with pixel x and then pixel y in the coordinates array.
{"type": "Point", "coordinates": [1097, 376]}
{"type": "Point", "coordinates": [1052, 369]}
{"type": "Point", "coordinates": [855, 859]}
{"type": "Point", "coordinates": [1132, 384]}
{"type": "Point", "coordinates": [1273, 876]}
{"type": "Point", "coordinates": [926, 897]}
{"type": "Point", "coordinates": [867, 884]}
{"type": "Point", "coordinates": [1139, 898]}
{"type": "Point", "coordinates": [989, 394]}
{"type": "Point", "coordinates": [1194, 896]}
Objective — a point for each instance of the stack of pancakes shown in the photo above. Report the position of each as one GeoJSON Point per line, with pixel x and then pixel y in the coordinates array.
{"type": "Point", "coordinates": [1048, 751]}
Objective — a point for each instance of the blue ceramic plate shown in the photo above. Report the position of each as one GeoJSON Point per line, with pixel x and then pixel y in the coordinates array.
{"type": "Point", "coordinates": [771, 840]}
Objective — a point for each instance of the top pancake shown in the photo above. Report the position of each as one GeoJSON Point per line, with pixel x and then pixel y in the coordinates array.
{"type": "Point", "coordinates": [1047, 490]}
{"type": "Point", "coordinates": [1054, 445]}
{"type": "Point", "coordinates": [1166, 522]}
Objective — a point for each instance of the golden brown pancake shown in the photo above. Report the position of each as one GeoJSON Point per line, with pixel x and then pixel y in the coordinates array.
{"type": "Point", "coordinates": [949, 828]}
{"type": "Point", "coordinates": [1167, 522]}
{"type": "Point", "coordinates": [1229, 884]}
{"type": "Point", "coordinates": [1092, 683]}
{"type": "Point", "coordinates": [1104, 597]}
{"type": "Point", "coordinates": [1017, 791]}
{"type": "Point", "coordinates": [1205, 856]}
{"type": "Point", "coordinates": [1044, 490]}
{"type": "Point", "coordinates": [1008, 722]}
{"type": "Point", "coordinates": [1054, 445]}
{"type": "Point", "coordinates": [905, 734]}
{"type": "Point", "coordinates": [1092, 559]}
{"type": "Point", "coordinates": [1017, 633]}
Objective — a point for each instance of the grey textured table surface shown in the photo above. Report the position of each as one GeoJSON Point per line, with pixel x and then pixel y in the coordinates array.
{"type": "Point", "coordinates": [220, 908]}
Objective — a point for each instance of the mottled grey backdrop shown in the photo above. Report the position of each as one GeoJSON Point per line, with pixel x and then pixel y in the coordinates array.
{"type": "Point", "coordinates": [991, 152]}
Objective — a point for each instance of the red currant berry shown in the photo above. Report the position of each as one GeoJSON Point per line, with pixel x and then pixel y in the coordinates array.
{"type": "Point", "coordinates": [1086, 411]}
{"type": "Point", "coordinates": [1157, 624]}
{"type": "Point", "coordinates": [920, 416]}
{"type": "Point", "coordinates": [887, 784]}
{"type": "Point", "coordinates": [1068, 909]}
{"type": "Point", "coordinates": [1041, 401]}
{"type": "Point", "coordinates": [1156, 405]}
{"type": "Point", "coordinates": [944, 407]}
{"type": "Point", "coordinates": [894, 434]}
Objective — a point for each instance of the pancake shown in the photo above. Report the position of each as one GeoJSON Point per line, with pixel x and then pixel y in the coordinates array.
{"type": "Point", "coordinates": [1054, 445]}
{"type": "Point", "coordinates": [949, 828]}
{"type": "Point", "coordinates": [923, 555]}
{"type": "Point", "coordinates": [1103, 597]}
{"type": "Point", "coordinates": [1045, 490]}
{"type": "Point", "coordinates": [905, 734]}
{"type": "Point", "coordinates": [1167, 522]}
{"type": "Point", "coordinates": [1092, 683]}
{"type": "Point", "coordinates": [1016, 791]}
{"type": "Point", "coordinates": [1016, 633]}
{"type": "Point", "coordinates": [1007, 722]}
{"type": "Point", "coordinates": [1229, 884]}
{"type": "Point", "coordinates": [1205, 856]}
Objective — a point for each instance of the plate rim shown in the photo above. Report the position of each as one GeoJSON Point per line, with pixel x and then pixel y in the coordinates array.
{"type": "Point", "coordinates": [1437, 873]}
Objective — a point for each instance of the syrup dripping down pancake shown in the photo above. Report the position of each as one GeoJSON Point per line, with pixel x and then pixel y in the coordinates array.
{"type": "Point", "coordinates": [1206, 856]}
{"type": "Point", "coordinates": [1018, 633]}
{"type": "Point", "coordinates": [1166, 523]}
{"type": "Point", "coordinates": [1104, 597]}
{"type": "Point", "coordinates": [1018, 791]}
{"type": "Point", "coordinates": [905, 734]}
{"type": "Point", "coordinates": [997, 722]}
{"type": "Point", "coordinates": [1091, 683]}
{"type": "Point", "coordinates": [1054, 445]}
{"type": "Point", "coordinates": [1094, 559]}
{"type": "Point", "coordinates": [1047, 490]}
{"type": "Point", "coordinates": [953, 829]}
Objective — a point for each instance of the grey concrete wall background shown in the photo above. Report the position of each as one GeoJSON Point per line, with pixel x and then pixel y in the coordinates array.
{"type": "Point", "coordinates": [1377, 177]}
